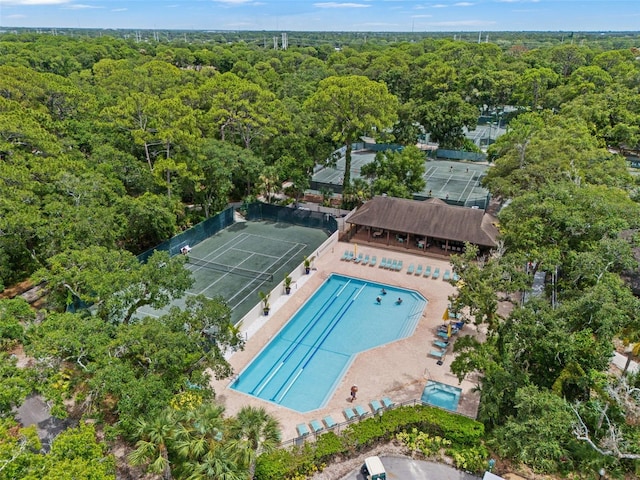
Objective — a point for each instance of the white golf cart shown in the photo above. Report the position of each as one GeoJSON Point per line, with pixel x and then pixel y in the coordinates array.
{"type": "Point", "coordinates": [373, 469]}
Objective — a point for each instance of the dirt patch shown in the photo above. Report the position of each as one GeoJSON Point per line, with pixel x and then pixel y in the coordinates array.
{"type": "Point", "coordinates": [17, 289]}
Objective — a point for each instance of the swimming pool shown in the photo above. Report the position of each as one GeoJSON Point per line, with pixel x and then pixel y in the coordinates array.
{"type": "Point", "coordinates": [441, 395]}
{"type": "Point", "coordinates": [301, 367]}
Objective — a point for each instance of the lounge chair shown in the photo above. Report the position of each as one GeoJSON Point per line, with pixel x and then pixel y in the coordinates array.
{"type": "Point", "coordinates": [303, 431]}
{"type": "Point", "coordinates": [360, 411]}
{"type": "Point", "coordinates": [410, 269]}
{"type": "Point", "coordinates": [443, 334]}
{"type": "Point", "coordinates": [455, 277]}
{"type": "Point", "coordinates": [345, 255]}
{"type": "Point", "coordinates": [419, 270]}
{"type": "Point", "coordinates": [359, 258]}
{"type": "Point", "coordinates": [383, 263]}
{"type": "Point", "coordinates": [427, 271]}
{"type": "Point", "coordinates": [365, 261]}
{"type": "Point", "coordinates": [436, 274]}
{"type": "Point", "coordinates": [316, 426]}
{"type": "Point", "coordinates": [441, 344]}
{"type": "Point", "coordinates": [387, 402]}
{"type": "Point", "coordinates": [399, 266]}
{"type": "Point", "coordinates": [437, 353]}
{"type": "Point", "coordinates": [393, 265]}
{"type": "Point", "coordinates": [376, 406]}
{"type": "Point", "coordinates": [446, 276]}
{"type": "Point", "coordinates": [373, 261]}
{"type": "Point", "coordinates": [329, 422]}
{"type": "Point", "coordinates": [349, 413]}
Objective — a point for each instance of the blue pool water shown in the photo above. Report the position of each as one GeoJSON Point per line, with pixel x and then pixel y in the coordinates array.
{"type": "Point", "coordinates": [441, 395]}
{"type": "Point", "coordinates": [302, 365]}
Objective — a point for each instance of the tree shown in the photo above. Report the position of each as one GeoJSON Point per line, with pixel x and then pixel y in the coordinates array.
{"type": "Point", "coordinates": [481, 279]}
{"type": "Point", "coordinates": [539, 434]}
{"type": "Point", "coordinates": [115, 281]}
{"type": "Point", "coordinates": [253, 433]}
{"type": "Point", "coordinates": [534, 85]}
{"type": "Point", "coordinates": [242, 109]}
{"type": "Point", "coordinates": [75, 454]}
{"type": "Point", "coordinates": [152, 448]}
{"type": "Point", "coordinates": [150, 219]}
{"type": "Point", "coordinates": [215, 163]}
{"type": "Point", "coordinates": [445, 117]}
{"type": "Point", "coordinates": [350, 106]}
{"type": "Point", "coordinates": [398, 174]}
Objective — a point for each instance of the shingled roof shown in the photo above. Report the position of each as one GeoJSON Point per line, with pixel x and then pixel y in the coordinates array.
{"type": "Point", "coordinates": [431, 218]}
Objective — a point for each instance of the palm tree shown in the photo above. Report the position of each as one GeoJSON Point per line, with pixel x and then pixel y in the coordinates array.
{"type": "Point", "coordinates": [152, 446]}
{"type": "Point", "coordinates": [216, 464]}
{"type": "Point", "coordinates": [200, 430]}
{"type": "Point", "coordinates": [253, 433]}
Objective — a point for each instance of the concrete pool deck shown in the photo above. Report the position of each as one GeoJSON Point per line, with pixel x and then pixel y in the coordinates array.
{"type": "Point", "coordinates": [398, 370]}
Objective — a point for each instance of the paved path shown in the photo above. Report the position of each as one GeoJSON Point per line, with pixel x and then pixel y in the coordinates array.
{"type": "Point", "coordinates": [408, 469]}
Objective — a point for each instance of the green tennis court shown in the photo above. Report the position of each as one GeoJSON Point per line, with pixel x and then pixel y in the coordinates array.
{"type": "Point", "coordinates": [457, 183]}
{"type": "Point", "coordinates": [244, 259]}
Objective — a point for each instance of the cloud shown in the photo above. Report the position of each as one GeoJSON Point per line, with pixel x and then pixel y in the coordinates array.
{"type": "Point", "coordinates": [340, 5]}
{"type": "Point", "coordinates": [233, 2]}
{"type": "Point", "coordinates": [80, 6]}
{"type": "Point", "coordinates": [35, 2]}
{"type": "Point", "coordinates": [439, 5]}
{"type": "Point", "coordinates": [17, 15]}
{"type": "Point", "coordinates": [421, 16]}
{"type": "Point", "coordinates": [463, 4]}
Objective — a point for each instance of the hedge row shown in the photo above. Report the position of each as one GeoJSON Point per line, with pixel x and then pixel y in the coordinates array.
{"type": "Point", "coordinates": [300, 462]}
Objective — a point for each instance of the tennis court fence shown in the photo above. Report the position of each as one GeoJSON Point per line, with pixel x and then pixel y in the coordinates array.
{"type": "Point", "coordinates": [194, 235]}
{"type": "Point", "coordinates": [294, 216]}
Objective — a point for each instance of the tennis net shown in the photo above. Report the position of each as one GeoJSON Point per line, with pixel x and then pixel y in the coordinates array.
{"type": "Point", "coordinates": [243, 272]}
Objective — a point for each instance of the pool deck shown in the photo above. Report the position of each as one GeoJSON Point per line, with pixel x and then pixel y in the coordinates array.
{"type": "Point", "coordinates": [398, 370]}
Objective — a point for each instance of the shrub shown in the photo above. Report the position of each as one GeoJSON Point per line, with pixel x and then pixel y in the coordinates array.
{"type": "Point", "coordinates": [431, 430]}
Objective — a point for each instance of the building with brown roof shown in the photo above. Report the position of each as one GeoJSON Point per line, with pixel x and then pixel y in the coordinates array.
{"type": "Point", "coordinates": [428, 224]}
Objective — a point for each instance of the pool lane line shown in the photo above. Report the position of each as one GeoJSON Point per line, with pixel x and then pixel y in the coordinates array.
{"type": "Point", "coordinates": [317, 344]}
{"type": "Point", "coordinates": [284, 356]}
{"type": "Point", "coordinates": [291, 349]}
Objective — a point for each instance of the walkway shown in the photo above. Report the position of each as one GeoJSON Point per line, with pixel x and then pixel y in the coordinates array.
{"type": "Point", "coordinates": [398, 370]}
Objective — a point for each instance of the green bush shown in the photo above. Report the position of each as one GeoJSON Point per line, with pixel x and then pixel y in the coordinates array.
{"type": "Point", "coordinates": [432, 428]}
{"type": "Point", "coordinates": [327, 446]}
{"type": "Point", "coordinates": [279, 464]}
{"type": "Point", "coordinates": [470, 459]}
{"type": "Point", "coordinates": [422, 442]}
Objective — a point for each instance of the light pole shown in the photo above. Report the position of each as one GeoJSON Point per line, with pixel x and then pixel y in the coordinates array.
{"type": "Point", "coordinates": [601, 472]}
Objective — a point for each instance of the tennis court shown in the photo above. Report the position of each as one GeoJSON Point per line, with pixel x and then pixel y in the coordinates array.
{"type": "Point", "coordinates": [457, 183]}
{"type": "Point", "coordinates": [244, 259]}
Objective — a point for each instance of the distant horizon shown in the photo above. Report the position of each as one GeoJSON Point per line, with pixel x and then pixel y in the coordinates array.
{"type": "Point", "coordinates": [230, 30]}
{"type": "Point", "coordinates": [382, 16]}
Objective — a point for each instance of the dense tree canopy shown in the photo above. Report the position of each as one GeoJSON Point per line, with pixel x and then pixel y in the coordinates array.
{"type": "Point", "coordinates": [109, 146]}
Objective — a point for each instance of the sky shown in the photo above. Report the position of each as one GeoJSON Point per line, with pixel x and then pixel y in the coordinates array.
{"type": "Point", "coordinates": [321, 15]}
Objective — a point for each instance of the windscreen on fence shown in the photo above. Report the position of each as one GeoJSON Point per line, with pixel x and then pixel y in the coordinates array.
{"type": "Point", "coordinates": [294, 216]}
{"type": "Point", "coordinates": [194, 235]}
